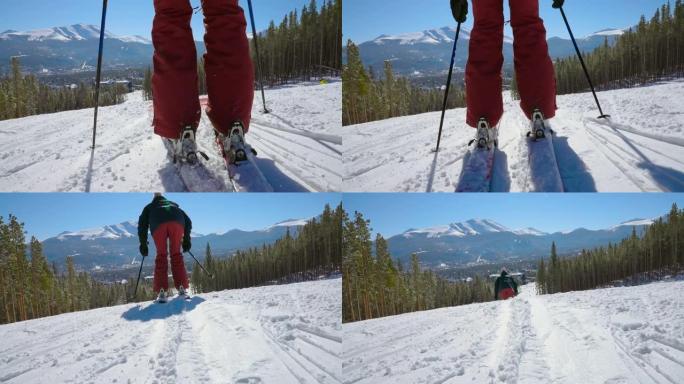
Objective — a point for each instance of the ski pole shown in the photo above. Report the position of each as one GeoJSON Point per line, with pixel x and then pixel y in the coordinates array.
{"type": "Point", "coordinates": [200, 264]}
{"type": "Point", "coordinates": [584, 66]}
{"type": "Point", "coordinates": [99, 67]}
{"type": "Point", "coordinates": [135, 292]}
{"type": "Point", "coordinates": [255, 36]}
{"type": "Point", "coordinates": [448, 85]}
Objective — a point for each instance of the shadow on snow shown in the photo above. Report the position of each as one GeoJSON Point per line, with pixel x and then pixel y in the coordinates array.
{"type": "Point", "coordinates": [155, 311]}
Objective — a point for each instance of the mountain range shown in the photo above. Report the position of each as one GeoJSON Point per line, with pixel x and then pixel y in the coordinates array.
{"type": "Point", "coordinates": [482, 240]}
{"type": "Point", "coordinates": [429, 52]}
{"type": "Point", "coordinates": [73, 48]}
{"type": "Point", "coordinates": [117, 245]}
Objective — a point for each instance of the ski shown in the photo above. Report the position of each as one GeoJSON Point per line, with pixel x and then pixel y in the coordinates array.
{"type": "Point", "coordinates": [543, 166]}
{"type": "Point", "coordinates": [478, 164]}
{"type": "Point", "coordinates": [194, 175]}
{"type": "Point", "coordinates": [244, 173]}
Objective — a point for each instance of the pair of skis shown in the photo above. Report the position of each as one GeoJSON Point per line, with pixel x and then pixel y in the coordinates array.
{"type": "Point", "coordinates": [243, 173]}
{"type": "Point", "coordinates": [479, 163]}
{"type": "Point", "coordinates": [165, 299]}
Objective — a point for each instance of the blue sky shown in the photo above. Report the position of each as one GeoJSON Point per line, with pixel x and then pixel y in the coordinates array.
{"type": "Point", "coordinates": [124, 17]}
{"type": "Point", "coordinates": [46, 215]}
{"type": "Point", "coordinates": [391, 214]}
{"type": "Point", "coordinates": [364, 20]}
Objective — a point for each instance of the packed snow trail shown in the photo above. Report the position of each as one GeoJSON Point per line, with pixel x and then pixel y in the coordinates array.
{"type": "Point", "coordinates": [616, 335]}
{"type": "Point", "coordinates": [639, 150]}
{"type": "Point", "coordinates": [274, 334]}
{"type": "Point", "coordinates": [298, 144]}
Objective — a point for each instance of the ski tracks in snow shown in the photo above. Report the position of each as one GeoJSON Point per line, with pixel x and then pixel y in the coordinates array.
{"type": "Point", "coordinates": [285, 334]}
{"type": "Point", "coordinates": [618, 335]}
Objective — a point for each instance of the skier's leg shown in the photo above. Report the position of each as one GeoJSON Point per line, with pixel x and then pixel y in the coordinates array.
{"type": "Point", "coordinates": [174, 82]}
{"type": "Point", "coordinates": [533, 66]}
{"type": "Point", "coordinates": [228, 65]}
{"type": "Point", "coordinates": [483, 71]}
{"type": "Point", "coordinates": [161, 279]}
{"type": "Point", "coordinates": [180, 276]}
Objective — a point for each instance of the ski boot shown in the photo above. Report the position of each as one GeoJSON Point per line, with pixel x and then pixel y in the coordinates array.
{"type": "Point", "coordinates": [233, 146]}
{"type": "Point", "coordinates": [485, 137]}
{"type": "Point", "coordinates": [538, 131]}
{"type": "Point", "coordinates": [183, 293]}
{"type": "Point", "coordinates": [162, 297]}
{"type": "Point", "coordinates": [185, 148]}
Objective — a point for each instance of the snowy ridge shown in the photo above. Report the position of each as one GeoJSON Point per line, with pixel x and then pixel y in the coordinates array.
{"type": "Point", "coordinates": [618, 335]}
{"type": "Point", "coordinates": [292, 223]}
{"type": "Point", "coordinates": [609, 32]}
{"type": "Point", "coordinates": [471, 227]}
{"type": "Point", "coordinates": [276, 334]}
{"type": "Point", "coordinates": [116, 231]}
{"type": "Point", "coordinates": [634, 223]}
{"type": "Point", "coordinates": [76, 32]}
{"type": "Point", "coordinates": [432, 36]}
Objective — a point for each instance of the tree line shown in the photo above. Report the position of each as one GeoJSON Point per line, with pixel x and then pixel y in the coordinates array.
{"type": "Point", "coordinates": [304, 45]}
{"type": "Point", "coordinates": [365, 98]}
{"type": "Point", "coordinates": [314, 251]}
{"type": "Point", "coordinates": [24, 95]}
{"type": "Point", "coordinates": [652, 51]}
{"type": "Point", "coordinates": [374, 285]}
{"type": "Point", "coordinates": [32, 288]}
{"type": "Point", "coordinates": [659, 250]}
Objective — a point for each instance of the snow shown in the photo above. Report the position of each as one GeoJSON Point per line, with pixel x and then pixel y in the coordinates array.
{"type": "Point", "coordinates": [609, 32]}
{"type": "Point", "coordinates": [117, 231]}
{"type": "Point", "coordinates": [76, 32]}
{"type": "Point", "coordinates": [275, 334]}
{"type": "Point", "coordinates": [298, 143]}
{"type": "Point", "coordinates": [616, 335]}
{"type": "Point", "coordinates": [395, 155]}
{"type": "Point", "coordinates": [292, 223]}
{"type": "Point", "coordinates": [432, 36]}
{"type": "Point", "coordinates": [633, 223]}
{"type": "Point", "coordinates": [471, 227]}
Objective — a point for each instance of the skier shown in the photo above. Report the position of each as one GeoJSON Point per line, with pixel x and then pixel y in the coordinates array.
{"type": "Point", "coordinates": [167, 223]}
{"type": "Point", "coordinates": [533, 67]}
{"type": "Point", "coordinates": [505, 286]}
{"type": "Point", "coordinates": [229, 72]}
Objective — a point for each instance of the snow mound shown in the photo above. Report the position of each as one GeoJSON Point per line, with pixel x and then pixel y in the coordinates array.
{"type": "Point", "coordinates": [275, 334]}
{"type": "Point", "coordinates": [616, 335]}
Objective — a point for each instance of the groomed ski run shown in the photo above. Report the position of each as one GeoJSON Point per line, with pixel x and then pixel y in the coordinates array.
{"type": "Point", "coordinates": [640, 150]}
{"type": "Point", "coordinates": [616, 335]}
{"type": "Point", "coordinates": [298, 144]}
{"type": "Point", "coordinates": [274, 334]}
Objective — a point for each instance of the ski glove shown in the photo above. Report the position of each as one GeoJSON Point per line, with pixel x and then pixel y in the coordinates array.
{"type": "Point", "coordinates": [558, 3]}
{"type": "Point", "coordinates": [187, 245]}
{"type": "Point", "coordinates": [460, 10]}
{"type": "Point", "coordinates": [143, 250]}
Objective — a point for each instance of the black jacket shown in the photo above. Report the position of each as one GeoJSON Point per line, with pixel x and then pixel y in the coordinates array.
{"type": "Point", "coordinates": [161, 211]}
{"type": "Point", "coordinates": [502, 282]}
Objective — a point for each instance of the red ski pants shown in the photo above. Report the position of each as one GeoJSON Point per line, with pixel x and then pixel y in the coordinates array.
{"type": "Point", "coordinates": [533, 67]}
{"type": "Point", "coordinates": [227, 63]}
{"type": "Point", "coordinates": [506, 293]}
{"type": "Point", "coordinates": [171, 233]}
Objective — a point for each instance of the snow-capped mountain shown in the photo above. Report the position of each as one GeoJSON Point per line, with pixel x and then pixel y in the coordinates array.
{"type": "Point", "coordinates": [117, 244]}
{"type": "Point", "coordinates": [117, 231]}
{"type": "Point", "coordinates": [429, 52]}
{"type": "Point", "coordinates": [73, 47]}
{"type": "Point", "coordinates": [478, 239]}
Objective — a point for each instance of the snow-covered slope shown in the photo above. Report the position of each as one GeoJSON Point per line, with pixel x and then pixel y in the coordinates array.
{"type": "Point", "coordinates": [275, 334]}
{"type": "Point", "coordinates": [617, 335]}
{"type": "Point", "coordinates": [642, 150]}
{"type": "Point", "coordinates": [297, 148]}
